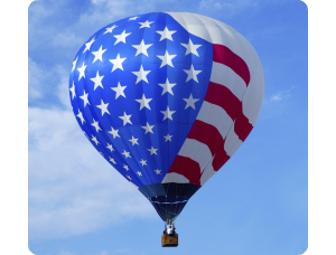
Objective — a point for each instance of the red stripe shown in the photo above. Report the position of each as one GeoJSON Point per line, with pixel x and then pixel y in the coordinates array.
{"type": "Point", "coordinates": [188, 168]}
{"type": "Point", "coordinates": [207, 134]}
{"type": "Point", "coordinates": [220, 95]}
{"type": "Point", "coordinates": [225, 56]}
{"type": "Point", "coordinates": [242, 127]}
{"type": "Point", "coordinates": [220, 158]}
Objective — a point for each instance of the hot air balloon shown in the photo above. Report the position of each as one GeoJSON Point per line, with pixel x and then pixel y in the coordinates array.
{"type": "Point", "coordinates": [166, 99]}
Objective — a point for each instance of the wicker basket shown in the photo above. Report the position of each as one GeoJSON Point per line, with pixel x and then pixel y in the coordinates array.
{"type": "Point", "coordinates": [169, 240]}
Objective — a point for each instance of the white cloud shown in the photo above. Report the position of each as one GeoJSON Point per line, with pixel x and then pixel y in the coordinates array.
{"type": "Point", "coordinates": [104, 12]}
{"type": "Point", "coordinates": [72, 190]}
{"type": "Point", "coordinates": [276, 98]}
{"type": "Point", "coordinates": [281, 96]}
{"type": "Point", "coordinates": [40, 10]}
{"type": "Point", "coordinates": [228, 7]}
{"type": "Point", "coordinates": [35, 80]}
{"type": "Point", "coordinates": [65, 39]}
{"type": "Point", "coordinates": [44, 83]}
{"type": "Point", "coordinates": [63, 88]}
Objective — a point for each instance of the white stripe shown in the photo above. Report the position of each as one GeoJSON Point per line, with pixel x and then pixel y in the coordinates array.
{"type": "Point", "coordinates": [216, 116]}
{"type": "Point", "coordinates": [253, 97]}
{"type": "Point", "coordinates": [207, 173]}
{"type": "Point", "coordinates": [232, 142]}
{"type": "Point", "coordinates": [197, 151]}
{"type": "Point", "coordinates": [175, 178]}
{"type": "Point", "coordinates": [225, 76]}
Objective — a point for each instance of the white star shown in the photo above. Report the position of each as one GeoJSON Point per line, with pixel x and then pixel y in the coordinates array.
{"type": "Point", "coordinates": [153, 151]}
{"type": "Point", "coordinates": [167, 87]}
{"type": "Point", "coordinates": [119, 90]}
{"type": "Point", "coordinates": [80, 116]}
{"type": "Point", "coordinates": [144, 102]}
{"type": "Point", "coordinates": [98, 55]}
{"type": "Point", "coordinates": [88, 45]}
{"type": "Point", "coordinates": [168, 138]}
{"type": "Point", "coordinates": [190, 101]}
{"type": "Point", "coordinates": [133, 18]}
{"type": "Point", "coordinates": [85, 98]}
{"type": "Point", "coordinates": [74, 63]}
{"type": "Point", "coordinates": [168, 114]}
{"type": "Point", "coordinates": [143, 162]}
{"type": "Point", "coordinates": [128, 177]}
{"type": "Point", "coordinates": [112, 160]}
{"type": "Point", "coordinates": [166, 59]}
{"type": "Point", "coordinates": [73, 91]}
{"type": "Point", "coordinates": [157, 171]}
{"type": "Point", "coordinates": [126, 154]}
{"type": "Point", "coordinates": [95, 124]}
{"type": "Point", "coordinates": [148, 128]}
{"type": "Point", "coordinates": [126, 167]}
{"type": "Point", "coordinates": [121, 37]}
{"type": "Point", "coordinates": [141, 48]}
{"type": "Point", "coordinates": [141, 75]}
{"type": "Point", "coordinates": [117, 63]}
{"type": "Point", "coordinates": [103, 107]}
{"type": "Point", "coordinates": [191, 48]}
{"type": "Point", "coordinates": [81, 71]}
{"type": "Point", "coordinates": [126, 118]}
{"type": "Point", "coordinates": [97, 80]}
{"type": "Point", "coordinates": [94, 139]}
{"type": "Point", "coordinates": [139, 173]}
{"type": "Point", "coordinates": [192, 73]}
{"type": "Point", "coordinates": [114, 132]}
{"type": "Point", "coordinates": [109, 29]}
{"type": "Point", "coordinates": [166, 34]}
{"type": "Point", "coordinates": [109, 147]}
{"type": "Point", "coordinates": [134, 141]}
{"type": "Point", "coordinates": [146, 23]}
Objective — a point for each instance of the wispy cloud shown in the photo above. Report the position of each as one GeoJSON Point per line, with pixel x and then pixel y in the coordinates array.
{"type": "Point", "coordinates": [36, 77]}
{"type": "Point", "coordinates": [45, 84]}
{"type": "Point", "coordinates": [230, 7]}
{"type": "Point", "coordinates": [281, 96]}
{"type": "Point", "coordinates": [72, 190]}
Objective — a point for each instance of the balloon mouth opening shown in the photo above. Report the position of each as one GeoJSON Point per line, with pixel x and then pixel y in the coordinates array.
{"type": "Point", "coordinates": [169, 199]}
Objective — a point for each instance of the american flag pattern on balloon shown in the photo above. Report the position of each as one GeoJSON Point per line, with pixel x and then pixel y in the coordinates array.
{"type": "Point", "coordinates": [162, 99]}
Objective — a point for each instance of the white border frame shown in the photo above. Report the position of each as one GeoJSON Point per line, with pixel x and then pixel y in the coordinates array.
{"type": "Point", "coordinates": [322, 126]}
{"type": "Point", "coordinates": [14, 130]}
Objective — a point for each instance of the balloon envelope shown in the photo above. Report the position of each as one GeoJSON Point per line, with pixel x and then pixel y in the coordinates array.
{"type": "Point", "coordinates": [166, 98]}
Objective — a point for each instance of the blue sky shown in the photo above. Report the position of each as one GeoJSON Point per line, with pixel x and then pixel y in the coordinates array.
{"type": "Point", "coordinates": [257, 203]}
